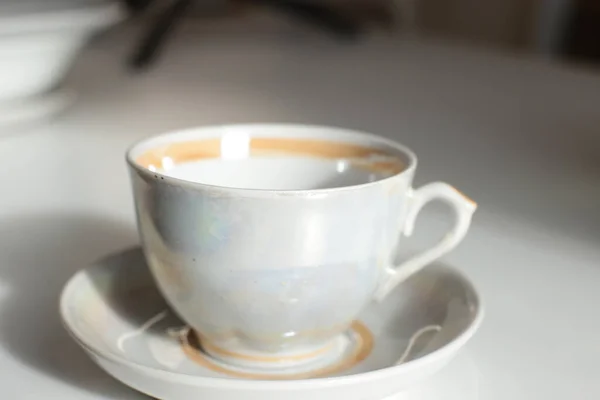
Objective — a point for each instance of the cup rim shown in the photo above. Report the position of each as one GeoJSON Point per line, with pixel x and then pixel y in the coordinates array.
{"type": "Point", "coordinates": [411, 161]}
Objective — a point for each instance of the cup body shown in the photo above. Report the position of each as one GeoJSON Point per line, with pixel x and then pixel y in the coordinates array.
{"type": "Point", "coordinates": [285, 261]}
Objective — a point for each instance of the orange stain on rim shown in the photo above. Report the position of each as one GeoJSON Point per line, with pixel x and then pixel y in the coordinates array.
{"type": "Point", "coordinates": [370, 158]}
{"type": "Point", "coordinates": [467, 198]}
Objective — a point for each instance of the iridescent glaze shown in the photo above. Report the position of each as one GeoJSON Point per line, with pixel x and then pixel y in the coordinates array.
{"type": "Point", "coordinates": [283, 263]}
{"type": "Point", "coordinates": [116, 314]}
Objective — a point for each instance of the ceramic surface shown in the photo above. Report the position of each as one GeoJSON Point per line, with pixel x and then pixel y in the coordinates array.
{"type": "Point", "coordinates": [116, 314]}
{"type": "Point", "coordinates": [279, 258]}
{"type": "Point", "coordinates": [39, 43]}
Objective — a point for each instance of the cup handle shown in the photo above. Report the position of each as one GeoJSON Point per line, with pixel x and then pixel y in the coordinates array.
{"type": "Point", "coordinates": [462, 206]}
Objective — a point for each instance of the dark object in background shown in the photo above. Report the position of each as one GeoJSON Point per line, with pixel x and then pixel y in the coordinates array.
{"type": "Point", "coordinates": [318, 15]}
{"type": "Point", "coordinates": [581, 41]}
{"type": "Point", "coordinates": [335, 20]}
{"type": "Point", "coordinates": [137, 5]}
{"type": "Point", "coordinates": [158, 33]}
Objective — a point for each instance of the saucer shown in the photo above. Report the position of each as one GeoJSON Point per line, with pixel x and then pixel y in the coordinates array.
{"type": "Point", "coordinates": [114, 311]}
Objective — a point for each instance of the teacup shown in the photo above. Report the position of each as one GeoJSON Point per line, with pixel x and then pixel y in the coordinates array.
{"type": "Point", "coordinates": [269, 240]}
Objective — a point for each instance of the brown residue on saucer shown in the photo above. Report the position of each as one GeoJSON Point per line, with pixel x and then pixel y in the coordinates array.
{"type": "Point", "coordinates": [264, 359]}
{"type": "Point", "coordinates": [192, 347]}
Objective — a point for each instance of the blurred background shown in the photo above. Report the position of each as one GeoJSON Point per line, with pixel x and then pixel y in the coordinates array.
{"type": "Point", "coordinates": [41, 39]}
{"type": "Point", "coordinates": [560, 28]}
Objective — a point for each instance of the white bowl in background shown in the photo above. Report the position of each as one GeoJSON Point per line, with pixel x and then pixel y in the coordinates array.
{"type": "Point", "coordinates": [40, 40]}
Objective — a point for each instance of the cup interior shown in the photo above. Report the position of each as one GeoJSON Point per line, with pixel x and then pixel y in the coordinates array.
{"type": "Point", "coordinates": [272, 157]}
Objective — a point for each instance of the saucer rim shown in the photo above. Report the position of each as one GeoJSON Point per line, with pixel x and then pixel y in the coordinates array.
{"type": "Point", "coordinates": [194, 380]}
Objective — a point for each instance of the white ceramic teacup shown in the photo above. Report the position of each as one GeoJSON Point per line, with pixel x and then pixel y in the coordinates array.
{"type": "Point", "coordinates": [270, 239]}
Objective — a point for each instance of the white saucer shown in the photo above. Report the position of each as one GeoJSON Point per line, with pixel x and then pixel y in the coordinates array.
{"type": "Point", "coordinates": [116, 314]}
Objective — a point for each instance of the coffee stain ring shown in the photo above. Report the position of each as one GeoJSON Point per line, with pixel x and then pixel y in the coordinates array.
{"type": "Point", "coordinates": [362, 345]}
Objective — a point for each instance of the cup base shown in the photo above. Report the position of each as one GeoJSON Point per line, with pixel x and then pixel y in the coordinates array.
{"type": "Point", "coordinates": [339, 354]}
{"type": "Point", "coordinates": [242, 356]}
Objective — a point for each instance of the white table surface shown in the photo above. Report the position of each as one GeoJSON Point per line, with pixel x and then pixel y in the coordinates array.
{"type": "Point", "coordinates": [518, 135]}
